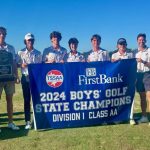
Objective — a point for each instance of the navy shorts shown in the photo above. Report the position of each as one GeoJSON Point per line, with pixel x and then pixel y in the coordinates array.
{"type": "Point", "coordinates": [139, 82]}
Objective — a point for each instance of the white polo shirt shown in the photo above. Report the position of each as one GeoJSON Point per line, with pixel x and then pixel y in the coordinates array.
{"type": "Point", "coordinates": [28, 57]}
{"type": "Point", "coordinates": [126, 55]}
{"type": "Point", "coordinates": [60, 54]}
{"type": "Point", "coordinates": [145, 56]}
{"type": "Point", "coordinates": [78, 57]}
{"type": "Point", "coordinates": [100, 55]}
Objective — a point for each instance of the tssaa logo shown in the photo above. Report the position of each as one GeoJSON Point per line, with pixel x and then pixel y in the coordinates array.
{"type": "Point", "coordinates": [54, 78]}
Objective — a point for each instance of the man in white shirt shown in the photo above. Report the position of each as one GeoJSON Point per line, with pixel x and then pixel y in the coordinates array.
{"type": "Point", "coordinates": [142, 55]}
{"type": "Point", "coordinates": [8, 86]}
{"type": "Point", "coordinates": [74, 55]}
{"type": "Point", "coordinates": [28, 55]}
{"type": "Point", "coordinates": [54, 53]}
{"type": "Point", "coordinates": [97, 53]}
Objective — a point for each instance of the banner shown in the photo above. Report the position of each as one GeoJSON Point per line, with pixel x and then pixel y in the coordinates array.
{"type": "Point", "coordinates": [82, 94]}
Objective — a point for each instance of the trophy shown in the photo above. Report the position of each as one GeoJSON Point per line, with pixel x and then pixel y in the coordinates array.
{"type": "Point", "coordinates": [93, 56]}
{"type": "Point", "coordinates": [6, 66]}
{"type": "Point", "coordinates": [51, 57]}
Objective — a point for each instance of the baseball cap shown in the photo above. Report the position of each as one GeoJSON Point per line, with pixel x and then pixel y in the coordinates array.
{"type": "Point", "coordinates": [29, 36]}
{"type": "Point", "coordinates": [122, 41]}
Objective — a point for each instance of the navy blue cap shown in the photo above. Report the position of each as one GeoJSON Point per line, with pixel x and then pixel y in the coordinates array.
{"type": "Point", "coordinates": [122, 41]}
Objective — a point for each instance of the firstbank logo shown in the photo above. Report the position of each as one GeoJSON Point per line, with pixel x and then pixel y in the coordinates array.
{"type": "Point", "coordinates": [91, 77]}
{"type": "Point", "coordinates": [90, 72]}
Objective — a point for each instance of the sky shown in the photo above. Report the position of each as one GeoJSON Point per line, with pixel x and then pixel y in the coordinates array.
{"type": "Point", "coordinates": [111, 19]}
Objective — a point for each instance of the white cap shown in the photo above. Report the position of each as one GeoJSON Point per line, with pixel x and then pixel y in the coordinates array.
{"type": "Point", "coordinates": [29, 36]}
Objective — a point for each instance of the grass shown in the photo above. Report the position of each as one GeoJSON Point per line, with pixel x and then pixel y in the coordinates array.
{"type": "Point", "coordinates": [108, 137]}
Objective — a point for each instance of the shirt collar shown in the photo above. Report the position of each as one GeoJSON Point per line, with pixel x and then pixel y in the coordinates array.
{"type": "Point", "coordinates": [98, 51]}
{"type": "Point", "coordinates": [124, 54]}
{"type": "Point", "coordinates": [71, 54]}
{"type": "Point", "coordinates": [54, 49]}
{"type": "Point", "coordinates": [143, 50]}
{"type": "Point", "coordinates": [3, 47]}
{"type": "Point", "coordinates": [26, 51]}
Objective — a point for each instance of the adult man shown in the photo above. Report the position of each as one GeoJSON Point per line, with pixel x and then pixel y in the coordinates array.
{"type": "Point", "coordinates": [28, 55]}
{"type": "Point", "coordinates": [97, 53]}
{"type": "Point", "coordinates": [54, 53]}
{"type": "Point", "coordinates": [74, 55]}
{"type": "Point", "coordinates": [142, 55]}
{"type": "Point", "coordinates": [8, 86]}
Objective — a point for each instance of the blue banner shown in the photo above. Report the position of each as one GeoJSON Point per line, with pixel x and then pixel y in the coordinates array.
{"type": "Point", "coordinates": [82, 94]}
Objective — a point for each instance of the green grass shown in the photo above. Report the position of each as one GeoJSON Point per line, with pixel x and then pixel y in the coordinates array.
{"type": "Point", "coordinates": [108, 137]}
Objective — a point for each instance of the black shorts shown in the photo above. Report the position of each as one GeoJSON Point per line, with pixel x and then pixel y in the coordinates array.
{"type": "Point", "coordinates": [139, 82]}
